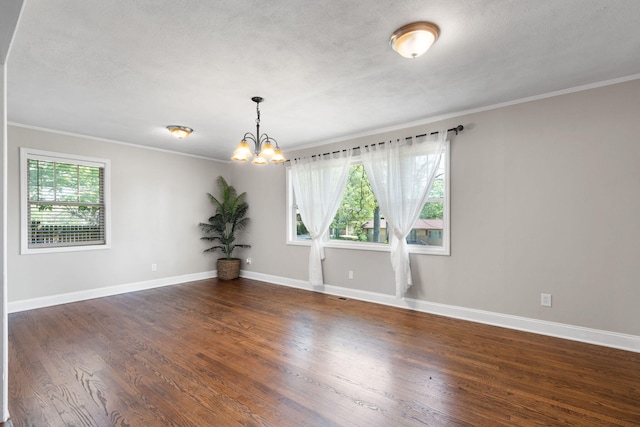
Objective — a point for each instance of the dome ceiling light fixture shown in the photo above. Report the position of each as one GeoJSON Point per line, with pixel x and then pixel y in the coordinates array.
{"type": "Point", "coordinates": [180, 132]}
{"type": "Point", "coordinates": [413, 40]}
{"type": "Point", "coordinates": [266, 148]}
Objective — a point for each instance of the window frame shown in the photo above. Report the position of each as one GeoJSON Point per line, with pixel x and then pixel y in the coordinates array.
{"type": "Point", "coordinates": [444, 250]}
{"type": "Point", "coordinates": [27, 154]}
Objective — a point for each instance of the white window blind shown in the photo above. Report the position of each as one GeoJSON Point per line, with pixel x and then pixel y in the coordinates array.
{"type": "Point", "coordinates": [65, 201]}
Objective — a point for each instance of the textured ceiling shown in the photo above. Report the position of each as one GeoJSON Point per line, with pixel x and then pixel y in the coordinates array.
{"type": "Point", "coordinates": [123, 69]}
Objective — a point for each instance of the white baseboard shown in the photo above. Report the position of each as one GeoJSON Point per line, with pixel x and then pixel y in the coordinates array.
{"type": "Point", "coordinates": [559, 330]}
{"type": "Point", "coordinates": [30, 304]}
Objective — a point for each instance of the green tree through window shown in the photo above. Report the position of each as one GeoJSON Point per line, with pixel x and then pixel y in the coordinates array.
{"type": "Point", "coordinates": [65, 203]}
{"type": "Point", "coordinates": [434, 208]}
{"type": "Point", "coordinates": [359, 224]}
{"type": "Point", "coordinates": [358, 217]}
{"type": "Point", "coordinates": [356, 209]}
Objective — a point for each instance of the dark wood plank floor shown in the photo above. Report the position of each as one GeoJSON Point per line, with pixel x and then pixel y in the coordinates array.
{"type": "Point", "coordinates": [243, 352]}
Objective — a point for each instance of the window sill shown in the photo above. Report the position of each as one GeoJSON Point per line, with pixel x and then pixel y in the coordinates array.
{"type": "Point", "coordinates": [33, 251]}
{"type": "Point", "coordinates": [376, 247]}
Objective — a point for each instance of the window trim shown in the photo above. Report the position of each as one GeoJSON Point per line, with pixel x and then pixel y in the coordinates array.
{"type": "Point", "coordinates": [444, 250]}
{"type": "Point", "coordinates": [31, 153]}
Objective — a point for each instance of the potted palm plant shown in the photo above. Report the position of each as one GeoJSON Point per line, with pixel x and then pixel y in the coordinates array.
{"type": "Point", "coordinates": [230, 216]}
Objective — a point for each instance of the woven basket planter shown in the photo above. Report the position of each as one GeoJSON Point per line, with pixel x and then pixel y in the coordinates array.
{"type": "Point", "coordinates": [228, 269]}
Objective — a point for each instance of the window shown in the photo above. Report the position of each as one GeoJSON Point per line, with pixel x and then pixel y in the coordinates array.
{"type": "Point", "coordinates": [64, 202]}
{"type": "Point", "coordinates": [358, 224]}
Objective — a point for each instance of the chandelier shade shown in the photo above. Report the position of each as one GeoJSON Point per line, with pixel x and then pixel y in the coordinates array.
{"type": "Point", "coordinates": [265, 147]}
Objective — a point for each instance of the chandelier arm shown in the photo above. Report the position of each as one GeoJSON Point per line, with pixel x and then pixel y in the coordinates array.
{"type": "Point", "coordinates": [250, 137]}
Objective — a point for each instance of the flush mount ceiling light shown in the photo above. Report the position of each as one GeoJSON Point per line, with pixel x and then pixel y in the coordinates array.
{"type": "Point", "coordinates": [266, 148]}
{"type": "Point", "coordinates": [180, 131]}
{"type": "Point", "coordinates": [414, 39]}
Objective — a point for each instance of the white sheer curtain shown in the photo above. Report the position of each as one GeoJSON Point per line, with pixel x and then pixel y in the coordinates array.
{"type": "Point", "coordinates": [401, 175]}
{"type": "Point", "coordinates": [318, 184]}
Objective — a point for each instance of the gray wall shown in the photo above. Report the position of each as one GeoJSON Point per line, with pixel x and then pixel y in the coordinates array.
{"type": "Point", "coordinates": [158, 199]}
{"type": "Point", "coordinates": [544, 198]}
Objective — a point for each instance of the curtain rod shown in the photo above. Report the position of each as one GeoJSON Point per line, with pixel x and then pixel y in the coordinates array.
{"type": "Point", "coordinates": [456, 129]}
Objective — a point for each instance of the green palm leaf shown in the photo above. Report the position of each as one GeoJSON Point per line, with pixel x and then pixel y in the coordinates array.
{"type": "Point", "coordinates": [230, 216]}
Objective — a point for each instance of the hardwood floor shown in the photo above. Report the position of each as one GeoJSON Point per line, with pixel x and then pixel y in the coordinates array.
{"type": "Point", "coordinates": [243, 352]}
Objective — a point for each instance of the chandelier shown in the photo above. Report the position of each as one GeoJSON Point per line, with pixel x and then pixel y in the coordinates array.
{"type": "Point", "coordinates": [266, 148]}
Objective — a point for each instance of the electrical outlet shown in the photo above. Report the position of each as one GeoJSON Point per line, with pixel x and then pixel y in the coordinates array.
{"type": "Point", "coordinates": [350, 274]}
{"type": "Point", "coordinates": [248, 260]}
{"type": "Point", "coordinates": [154, 267]}
{"type": "Point", "coordinates": [545, 300]}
